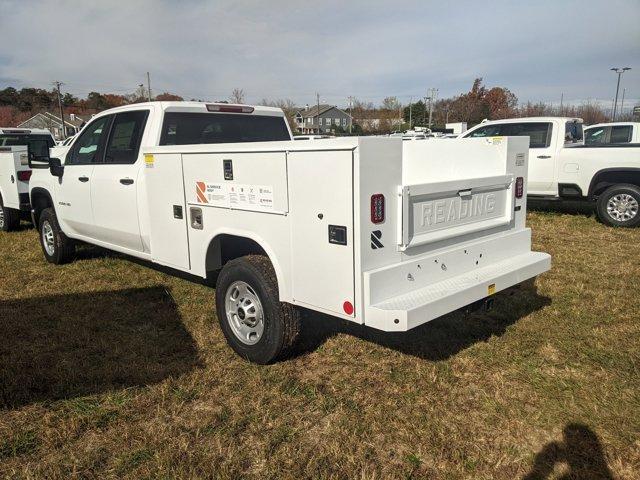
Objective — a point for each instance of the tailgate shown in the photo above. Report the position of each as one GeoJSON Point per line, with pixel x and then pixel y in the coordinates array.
{"type": "Point", "coordinates": [437, 211]}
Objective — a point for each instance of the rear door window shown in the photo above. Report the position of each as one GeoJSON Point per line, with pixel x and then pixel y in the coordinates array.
{"type": "Point", "coordinates": [125, 137]}
{"type": "Point", "coordinates": [620, 134]}
{"type": "Point", "coordinates": [539, 133]}
{"type": "Point", "coordinates": [197, 128]}
{"type": "Point", "coordinates": [39, 145]}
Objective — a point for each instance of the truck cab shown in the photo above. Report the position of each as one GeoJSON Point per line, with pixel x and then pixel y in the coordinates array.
{"type": "Point", "coordinates": [100, 191]}
{"type": "Point", "coordinates": [547, 135]}
{"type": "Point", "coordinates": [600, 172]}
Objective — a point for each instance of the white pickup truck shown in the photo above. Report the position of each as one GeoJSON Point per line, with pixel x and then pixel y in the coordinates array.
{"type": "Point", "coordinates": [365, 229]}
{"type": "Point", "coordinates": [562, 167]}
{"type": "Point", "coordinates": [612, 133]}
{"type": "Point", "coordinates": [16, 144]}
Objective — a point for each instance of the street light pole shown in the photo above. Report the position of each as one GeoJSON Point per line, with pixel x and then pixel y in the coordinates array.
{"type": "Point", "coordinates": [619, 71]}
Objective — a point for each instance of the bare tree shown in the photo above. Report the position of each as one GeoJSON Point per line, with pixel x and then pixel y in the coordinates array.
{"type": "Point", "coordinates": [390, 103]}
{"type": "Point", "coordinates": [237, 96]}
{"type": "Point", "coordinates": [286, 104]}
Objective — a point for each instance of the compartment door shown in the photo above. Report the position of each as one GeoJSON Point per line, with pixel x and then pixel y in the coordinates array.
{"type": "Point", "coordinates": [321, 209]}
{"type": "Point", "coordinates": [169, 241]}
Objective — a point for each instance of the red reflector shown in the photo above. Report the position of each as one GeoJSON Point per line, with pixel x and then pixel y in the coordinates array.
{"type": "Point", "coordinates": [347, 307]}
{"type": "Point", "coordinates": [377, 208]}
{"type": "Point", "coordinates": [24, 175]}
{"type": "Point", "coordinates": [230, 108]}
{"type": "Point", "coordinates": [519, 187]}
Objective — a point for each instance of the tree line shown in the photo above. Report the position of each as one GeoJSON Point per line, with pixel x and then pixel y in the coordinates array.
{"type": "Point", "coordinates": [479, 103]}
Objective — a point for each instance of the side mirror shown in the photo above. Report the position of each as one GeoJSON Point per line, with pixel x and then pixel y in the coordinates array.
{"type": "Point", "coordinates": [55, 167]}
{"type": "Point", "coordinates": [37, 162]}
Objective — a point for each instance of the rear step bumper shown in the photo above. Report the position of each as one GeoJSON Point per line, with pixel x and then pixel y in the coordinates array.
{"type": "Point", "coordinates": [408, 310]}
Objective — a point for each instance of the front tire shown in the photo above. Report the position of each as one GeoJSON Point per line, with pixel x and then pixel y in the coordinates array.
{"type": "Point", "coordinates": [619, 206]}
{"type": "Point", "coordinates": [57, 248]}
{"type": "Point", "coordinates": [255, 323]}
{"type": "Point", "coordinates": [9, 218]}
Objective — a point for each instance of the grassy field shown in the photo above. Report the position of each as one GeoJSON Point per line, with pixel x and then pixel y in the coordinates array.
{"type": "Point", "coordinates": [109, 369]}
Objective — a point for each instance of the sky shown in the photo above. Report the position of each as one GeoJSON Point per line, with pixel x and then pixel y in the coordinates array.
{"type": "Point", "coordinates": [292, 49]}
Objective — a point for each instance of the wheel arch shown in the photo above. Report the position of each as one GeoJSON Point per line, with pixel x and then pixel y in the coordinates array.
{"type": "Point", "coordinates": [228, 244]}
{"type": "Point", "coordinates": [607, 177]}
{"type": "Point", "coordinates": [40, 199]}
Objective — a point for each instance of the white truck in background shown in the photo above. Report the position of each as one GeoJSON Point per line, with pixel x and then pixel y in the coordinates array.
{"type": "Point", "coordinates": [365, 229]}
{"type": "Point", "coordinates": [617, 133]}
{"type": "Point", "coordinates": [16, 145]}
{"type": "Point", "coordinates": [563, 168]}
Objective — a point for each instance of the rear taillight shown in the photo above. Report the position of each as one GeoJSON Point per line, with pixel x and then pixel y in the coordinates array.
{"type": "Point", "coordinates": [24, 175]}
{"type": "Point", "coordinates": [519, 187]}
{"type": "Point", "coordinates": [230, 108]}
{"type": "Point", "coordinates": [377, 208]}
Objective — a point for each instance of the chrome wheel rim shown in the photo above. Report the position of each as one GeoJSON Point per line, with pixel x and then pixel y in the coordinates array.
{"type": "Point", "coordinates": [48, 238]}
{"type": "Point", "coordinates": [245, 314]}
{"type": "Point", "coordinates": [622, 207]}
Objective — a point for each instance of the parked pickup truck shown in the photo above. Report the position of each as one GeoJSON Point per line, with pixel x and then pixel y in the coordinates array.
{"type": "Point", "coordinates": [353, 227]}
{"type": "Point", "coordinates": [612, 133]}
{"type": "Point", "coordinates": [16, 144]}
{"type": "Point", "coordinates": [563, 168]}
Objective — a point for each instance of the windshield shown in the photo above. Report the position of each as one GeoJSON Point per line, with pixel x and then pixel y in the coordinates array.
{"type": "Point", "coordinates": [37, 144]}
{"type": "Point", "coordinates": [199, 128]}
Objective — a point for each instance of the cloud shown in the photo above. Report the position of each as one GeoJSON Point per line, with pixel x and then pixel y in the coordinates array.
{"type": "Point", "coordinates": [281, 49]}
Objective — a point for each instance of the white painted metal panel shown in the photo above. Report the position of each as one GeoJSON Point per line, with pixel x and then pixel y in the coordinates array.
{"type": "Point", "coordinates": [9, 184]}
{"type": "Point", "coordinates": [114, 200]}
{"type": "Point", "coordinates": [321, 196]}
{"type": "Point", "coordinates": [165, 192]}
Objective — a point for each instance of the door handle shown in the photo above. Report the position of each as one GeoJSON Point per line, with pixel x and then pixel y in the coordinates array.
{"type": "Point", "coordinates": [544, 156]}
{"type": "Point", "coordinates": [83, 179]}
{"type": "Point", "coordinates": [126, 181]}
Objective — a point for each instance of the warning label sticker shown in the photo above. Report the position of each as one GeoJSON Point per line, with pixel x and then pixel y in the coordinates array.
{"type": "Point", "coordinates": [235, 195]}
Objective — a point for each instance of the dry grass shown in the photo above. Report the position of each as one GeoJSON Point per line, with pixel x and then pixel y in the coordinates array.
{"type": "Point", "coordinates": [109, 369]}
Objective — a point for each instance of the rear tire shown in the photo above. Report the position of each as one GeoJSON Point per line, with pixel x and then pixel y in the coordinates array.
{"type": "Point", "coordinates": [255, 323]}
{"type": "Point", "coordinates": [9, 218]}
{"type": "Point", "coordinates": [56, 246]}
{"type": "Point", "coordinates": [619, 206]}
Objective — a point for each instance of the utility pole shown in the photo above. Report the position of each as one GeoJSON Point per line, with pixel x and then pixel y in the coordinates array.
{"type": "Point", "coordinates": [149, 86]}
{"type": "Point", "coordinates": [318, 114]}
{"type": "Point", "coordinates": [433, 92]}
{"type": "Point", "coordinates": [424, 112]}
{"type": "Point", "coordinates": [350, 114]}
{"type": "Point", "coordinates": [57, 84]}
{"type": "Point", "coordinates": [410, 111]}
{"type": "Point", "coordinates": [624, 90]}
{"type": "Point", "coordinates": [619, 71]}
